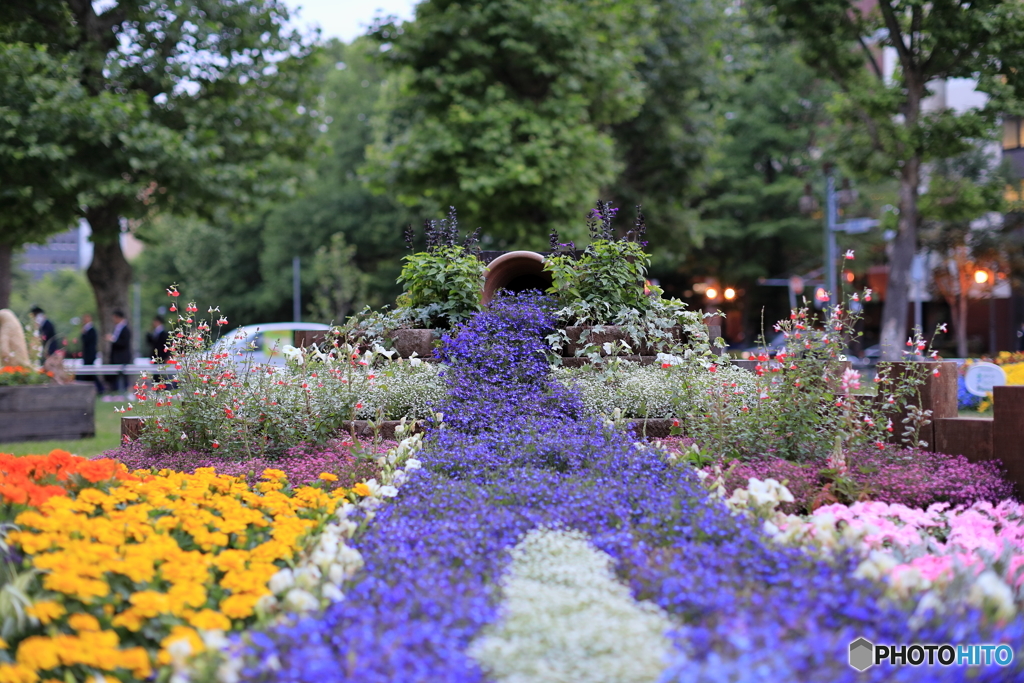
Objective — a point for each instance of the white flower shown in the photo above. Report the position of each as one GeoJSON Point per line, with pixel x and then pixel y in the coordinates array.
{"type": "Point", "coordinates": [292, 353]}
{"type": "Point", "coordinates": [379, 491]}
{"type": "Point", "coordinates": [230, 671]}
{"type": "Point", "coordinates": [877, 566]}
{"type": "Point", "coordinates": [565, 617]}
{"type": "Point", "coordinates": [179, 650]}
{"type": "Point", "coordinates": [413, 464]}
{"type": "Point", "coordinates": [214, 639]}
{"type": "Point", "coordinates": [350, 560]}
{"type": "Point", "coordinates": [281, 581]}
{"type": "Point", "coordinates": [989, 591]}
{"type": "Point", "coordinates": [307, 577]}
{"type": "Point", "coordinates": [301, 601]}
{"type": "Point", "coordinates": [333, 593]}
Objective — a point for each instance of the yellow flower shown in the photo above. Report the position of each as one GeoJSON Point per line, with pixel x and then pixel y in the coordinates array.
{"type": "Point", "coordinates": [136, 659]}
{"type": "Point", "coordinates": [38, 652]}
{"type": "Point", "coordinates": [186, 595]}
{"type": "Point", "coordinates": [362, 489]}
{"type": "Point", "coordinates": [151, 603]}
{"type": "Point", "coordinates": [327, 476]}
{"type": "Point", "coordinates": [46, 611]}
{"type": "Point", "coordinates": [274, 474]}
{"type": "Point", "coordinates": [180, 635]}
{"type": "Point", "coordinates": [209, 620]}
{"type": "Point", "coordinates": [130, 619]}
{"type": "Point", "coordinates": [238, 606]}
{"type": "Point", "coordinates": [83, 622]}
{"type": "Point", "coordinates": [17, 673]}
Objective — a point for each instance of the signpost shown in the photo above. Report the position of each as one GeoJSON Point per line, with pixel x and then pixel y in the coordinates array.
{"type": "Point", "coordinates": [981, 377]}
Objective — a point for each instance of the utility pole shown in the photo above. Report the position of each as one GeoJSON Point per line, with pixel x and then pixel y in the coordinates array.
{"type": "Point", "coordinates": [296, 292]}
{"type": "Point", "coordinates": [832, 226]}
{"type": "Point", "coordinates": [830, 238]}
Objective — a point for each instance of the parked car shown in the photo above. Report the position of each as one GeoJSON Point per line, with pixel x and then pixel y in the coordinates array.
{"type": "Point", "coordinates": [263, 343]}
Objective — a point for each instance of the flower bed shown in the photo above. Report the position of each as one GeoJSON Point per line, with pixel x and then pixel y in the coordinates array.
{"type": "Point", "coordinates": [907, 476]}
{"type": "Point", "coordinates": [115, 574]}
{"type": "Point", "coordinates": [508, 461]}
{"type": "Point", "coordinates": [536, 543]}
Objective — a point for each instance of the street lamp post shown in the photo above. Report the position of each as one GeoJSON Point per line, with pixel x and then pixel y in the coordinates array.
{"type": "Point", "coordinates": [832, 226]}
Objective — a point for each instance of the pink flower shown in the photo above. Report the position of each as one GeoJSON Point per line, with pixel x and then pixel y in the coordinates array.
{"type": "Point", "coordinates": [850, 380]}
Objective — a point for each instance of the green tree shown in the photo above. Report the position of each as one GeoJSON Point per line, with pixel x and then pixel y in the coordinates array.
{"type": "Point", "coordinates": [43, 115]}
{"type": "Point", "coordinates": [338, 284]}
{"type": "Point", "coordinates": [964, 194]}
{"type": "Point", "coordinates": [887, 128]}
{"type": "Point", "coordinates": [663, 150]}
{"type": "Point", "coordinates": [241, 260]}
{"type": "Point", "coordinates": [205, 93]}
{"type": "Point", "coordinates": [502, 108]}
{"type": "Point", "coordinates": [772, 108]}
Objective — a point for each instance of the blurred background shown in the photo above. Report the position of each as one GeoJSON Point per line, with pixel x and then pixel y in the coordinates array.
{"type": "Point", "coordinates": [266, 156]}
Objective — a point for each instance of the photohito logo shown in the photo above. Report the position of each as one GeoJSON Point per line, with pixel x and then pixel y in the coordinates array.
{"type": "Point", "coordinates": [865, 654]}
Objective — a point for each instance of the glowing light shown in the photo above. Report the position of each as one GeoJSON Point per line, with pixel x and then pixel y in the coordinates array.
{"type": "Point", "coordinates": [711, 293]}
{"type": "Point", "coordinates": [981, 276]}
{"type": "Point", "coordinates": [729, 293]}
{"type": "Point", "coordinates": [849, 276]}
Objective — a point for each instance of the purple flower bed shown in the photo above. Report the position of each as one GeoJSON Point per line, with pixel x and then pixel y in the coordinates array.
{"type": "Point", "coordinates": [912, 477]}
{"type": "Point", "coordinates": [749, 610]}
{"type": "Point", "coordinates": [303, 463]}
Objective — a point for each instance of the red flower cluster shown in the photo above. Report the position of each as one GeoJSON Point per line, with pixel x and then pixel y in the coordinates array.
{"type": "Point", "coordinates": [32, 479]}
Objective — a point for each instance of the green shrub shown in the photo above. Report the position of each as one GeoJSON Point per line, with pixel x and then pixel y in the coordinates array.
{"type": "Point", "coordinates": [443, 284]}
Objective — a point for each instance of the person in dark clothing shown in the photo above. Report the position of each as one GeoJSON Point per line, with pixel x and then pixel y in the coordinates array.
{"type": "Point", "coordinates": [157, 340]}
{"type": "Point", "coordinates": [120, 354]}
{"type": "Point", "coordinates": [89, 340]}
{"type": "Point", "coordinates": [47, 332]}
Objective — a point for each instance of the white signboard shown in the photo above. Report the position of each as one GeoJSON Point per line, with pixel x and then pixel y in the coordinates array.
{"type": "Point", "coordinates": [981, 377]}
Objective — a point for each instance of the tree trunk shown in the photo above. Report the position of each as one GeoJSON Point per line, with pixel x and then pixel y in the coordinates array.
{"type": "Point", "coordinates": [894, 312]}
{"type": "Point", "coordinates": [961, 325]}
{"type": "Point", "coordinates": [6, 274]}
{"type": "Point", "coordinates": [110, 274]}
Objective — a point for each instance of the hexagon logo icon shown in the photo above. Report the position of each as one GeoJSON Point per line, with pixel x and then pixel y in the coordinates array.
{"type": "Point", "coordinates": [862, 654]}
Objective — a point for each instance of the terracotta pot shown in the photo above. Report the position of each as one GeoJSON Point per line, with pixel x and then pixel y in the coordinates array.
{"type": "Point", "coordinates": [517, 271]}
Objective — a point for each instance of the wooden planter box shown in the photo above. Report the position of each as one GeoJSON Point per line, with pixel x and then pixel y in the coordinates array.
{"type": "Point", "coordinates": [48, 412]}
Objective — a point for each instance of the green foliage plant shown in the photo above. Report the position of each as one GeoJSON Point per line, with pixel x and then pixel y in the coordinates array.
{"type": "Point", "coordinates": [444, 283]}
{"type": "Point", "coordinates": [607, 284]}
{"type": "Point", "coordinates": [803, 404]}
{"type": "Point", "coordinates": [221, 401]}
{"type": "Point", "coordinates": [610, 271]}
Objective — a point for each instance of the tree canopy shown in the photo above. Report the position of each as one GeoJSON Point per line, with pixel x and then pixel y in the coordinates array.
{"type": "Point", "coordinates": [185, 135]}
{"type": "Point", "coordinates": [502, 109]}
{"type": "Point", "coordinates": [888, 127]}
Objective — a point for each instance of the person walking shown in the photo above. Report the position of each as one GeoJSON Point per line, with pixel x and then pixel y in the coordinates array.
{"type": "Point", "coordinates": [89, 339]}
{"type": "Point", "coordinates": [47, 332]}
{"type": "Point", "coordinates": [120, 354]}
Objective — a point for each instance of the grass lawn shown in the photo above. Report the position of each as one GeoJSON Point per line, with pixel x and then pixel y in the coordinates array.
{"type": "Point", "coordinates": [108, 435]}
